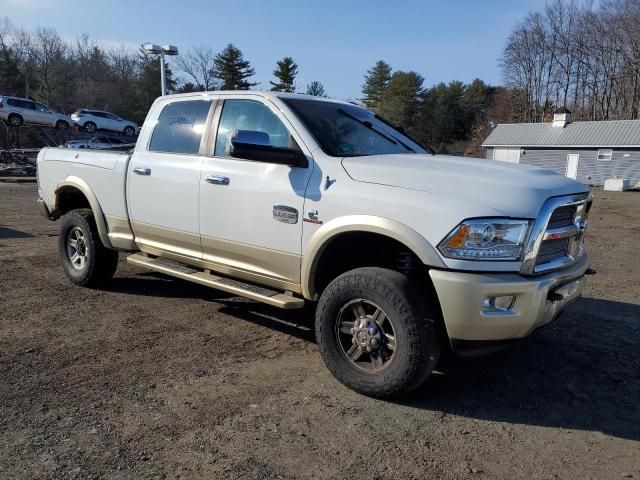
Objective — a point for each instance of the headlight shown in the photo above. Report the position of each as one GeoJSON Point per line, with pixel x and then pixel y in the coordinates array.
{"type": "Point", "coordinates": [486, 239]}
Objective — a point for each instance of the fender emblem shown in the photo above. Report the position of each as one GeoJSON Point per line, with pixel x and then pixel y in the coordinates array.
{"type": "Point", "coordinates": [285, 214]}
{"type": "Point", "coordinates": [312, 217]}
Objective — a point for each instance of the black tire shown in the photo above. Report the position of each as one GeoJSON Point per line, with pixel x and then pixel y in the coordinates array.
{"type": "Point", "coordinates": [15, 120]}
{"type": "Point", "coordinates": [62, 125]}
{"type": "Point", "coordinates": [416, 327]}
{"type": "Point", "coordinates": [99, 262]}
{"type": "Point", "coordinates": [90, 127]}
{"type": "Point", "coordinates": [129, 131]}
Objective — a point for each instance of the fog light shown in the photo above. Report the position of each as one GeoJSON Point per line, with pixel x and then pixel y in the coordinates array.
{"type": "Point", "coordinates": [502, 303]}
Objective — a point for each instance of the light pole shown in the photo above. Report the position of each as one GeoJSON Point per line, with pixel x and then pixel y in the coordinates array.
{"type": "Point", "coordinates": [162, 51]}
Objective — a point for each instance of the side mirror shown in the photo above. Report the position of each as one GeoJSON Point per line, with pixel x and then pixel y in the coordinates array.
{"type": "Point", "coordinates": [253, 145]}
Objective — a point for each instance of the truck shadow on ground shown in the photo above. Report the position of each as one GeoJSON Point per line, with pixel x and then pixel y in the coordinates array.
{"type": "Point", "coordinates": [158, 285]}
{"type": "Point", "coordinates": [6, 232]}
{"type": "Point", "coordinates": [582, 372]}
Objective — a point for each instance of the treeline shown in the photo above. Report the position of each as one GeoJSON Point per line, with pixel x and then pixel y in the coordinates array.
{"type": "Point", "coordinates": [444, 116]}
{"type": "Point", "coordinates": [574, 55]}
{"type": "Point", "coordinates": [70, 75]}
{"type": "Point", "coordinates": [66, 75]}
{"type": "Point", "coordinates": [571, 54]}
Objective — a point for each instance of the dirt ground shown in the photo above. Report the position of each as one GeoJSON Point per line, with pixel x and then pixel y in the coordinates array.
{"type": "Point", "coordinates": [158, 378]}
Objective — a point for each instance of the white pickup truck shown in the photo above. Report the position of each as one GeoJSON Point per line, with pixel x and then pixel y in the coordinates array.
{"type": "Point", "coordinates": [292, 199]}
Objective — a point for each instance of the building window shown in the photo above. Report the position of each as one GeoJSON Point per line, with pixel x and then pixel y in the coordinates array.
{"type": "Point", "coordinates": [605, 154]}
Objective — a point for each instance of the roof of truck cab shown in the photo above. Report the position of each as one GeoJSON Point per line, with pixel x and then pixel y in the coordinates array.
{"type": "Point", "coordinates": [262, 93]}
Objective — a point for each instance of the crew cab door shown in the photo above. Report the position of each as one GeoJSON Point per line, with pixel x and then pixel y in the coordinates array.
{"type": "Point", "coordinates": [251, 211]}
{"type": "Point", "coordinates": [163, 179]}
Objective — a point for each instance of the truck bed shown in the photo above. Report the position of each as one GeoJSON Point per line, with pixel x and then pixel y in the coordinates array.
{"type": "Point", "coordinates": [103, 171]}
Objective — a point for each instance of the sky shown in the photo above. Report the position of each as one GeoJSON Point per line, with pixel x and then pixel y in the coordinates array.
{"type": "Point", "coordinates": [334, 42]}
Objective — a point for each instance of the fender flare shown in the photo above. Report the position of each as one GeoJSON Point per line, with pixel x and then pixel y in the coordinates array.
{"type": "Point", "coordinates": [98, 215]}
{"type": "Point", "coordinates": [361, 223]}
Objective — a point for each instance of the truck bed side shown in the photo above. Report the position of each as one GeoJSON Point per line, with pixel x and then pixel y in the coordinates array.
{"type": "Point", "coordinates": [97, 174]}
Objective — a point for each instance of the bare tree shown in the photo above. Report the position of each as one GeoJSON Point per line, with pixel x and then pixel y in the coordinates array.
{"type": "Point", "coordinates": [197, 64]}
{"type": "Point", "coordinates": [575, 56]}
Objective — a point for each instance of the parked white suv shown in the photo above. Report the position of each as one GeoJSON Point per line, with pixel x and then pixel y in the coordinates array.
{"type": "Point", "coordinates": [18, 111]}
{"type": "Point", "coordinates": [92, 120]}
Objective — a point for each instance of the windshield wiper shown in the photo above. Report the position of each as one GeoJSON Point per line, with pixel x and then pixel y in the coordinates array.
{"type": "Point", "coordinates": [404, 145]}
{"type": "Point", "coordinates": [401, 130]}
{"type": "Point", "coordinates": [370, 126]}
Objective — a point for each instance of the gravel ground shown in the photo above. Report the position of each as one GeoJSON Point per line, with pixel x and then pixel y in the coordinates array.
{"type": "Point", "coordinates": [159, 378]}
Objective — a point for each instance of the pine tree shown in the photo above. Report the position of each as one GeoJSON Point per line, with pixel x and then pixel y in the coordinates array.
{"type": "Point", "coordinates": [232, 69]}
{"type": "Point", "coordinates": [376, 82]}
{"type": "Point", "coordinates": [285, 72]}
{"type": "Point", "coordinates": [11, 80]}
{"type": "Point", "coordinates": [316, 89]}
{"type": "Point", "coordinates": [401, 99]}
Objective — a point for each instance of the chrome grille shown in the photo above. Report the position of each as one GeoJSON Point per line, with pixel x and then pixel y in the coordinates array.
{"type": "Point", "coordinates": [551, 250]}
{"type": "Point", "coordinates": [562, 216]}
{"type": "Point", "coordinates": [557, 235]}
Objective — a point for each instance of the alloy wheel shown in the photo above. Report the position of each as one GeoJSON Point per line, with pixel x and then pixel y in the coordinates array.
{"type": "Point", "coordinates": [77, 249]}
{"type": "Point", "coordinates": [366, 335]}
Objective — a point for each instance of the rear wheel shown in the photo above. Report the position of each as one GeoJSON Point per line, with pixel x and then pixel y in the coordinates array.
{"type": "Point", "coordinates": [86, 261]}
{"type": "Point", "coordinates": [129, 131]}
{"type": "Point", "coordinates": [376, 333]}
{"type": "Point", "coordinates": [90, 127]}
{"type": "Point", "coordinates": [15, 120]}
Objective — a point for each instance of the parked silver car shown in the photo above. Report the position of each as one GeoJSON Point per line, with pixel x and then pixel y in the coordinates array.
{"type": "Point", "coordinates": [92, 120]}
{"type": "Point", "coordinates": [18, 111]}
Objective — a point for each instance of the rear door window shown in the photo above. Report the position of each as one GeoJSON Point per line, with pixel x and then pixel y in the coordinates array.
{"type": "Point", "coordinates": [180, 127]}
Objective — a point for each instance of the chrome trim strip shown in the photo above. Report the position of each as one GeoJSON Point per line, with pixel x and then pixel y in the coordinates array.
{"type": "Point", "coordinates": [561, 232]}
{"type": "Point", "coordinates": [537, 235]}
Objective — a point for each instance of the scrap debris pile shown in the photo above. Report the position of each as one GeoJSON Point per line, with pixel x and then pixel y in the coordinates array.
{"type": "Point", "coordinates": [17, 163]}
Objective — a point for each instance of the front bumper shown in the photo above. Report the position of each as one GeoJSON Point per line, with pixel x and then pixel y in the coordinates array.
{"type": "Point", "coordinates": [538, 301]}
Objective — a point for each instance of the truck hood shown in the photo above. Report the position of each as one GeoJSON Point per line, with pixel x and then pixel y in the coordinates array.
{"type": "Point", "coordinates": [515, 190]}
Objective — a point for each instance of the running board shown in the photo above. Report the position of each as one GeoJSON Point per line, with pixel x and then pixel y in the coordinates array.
{"type": "Point", "coordinates": [260, 294]}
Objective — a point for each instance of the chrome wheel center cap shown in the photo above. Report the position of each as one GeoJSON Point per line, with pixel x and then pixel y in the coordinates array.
{"type": "Point", "coordinates": [367, 335]}
{"type": "Point", "coordinates": [81, 248]}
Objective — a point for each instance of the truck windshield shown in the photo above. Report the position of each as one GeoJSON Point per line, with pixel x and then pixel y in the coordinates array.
{"type": "Point", "coordinates": [344, 130]}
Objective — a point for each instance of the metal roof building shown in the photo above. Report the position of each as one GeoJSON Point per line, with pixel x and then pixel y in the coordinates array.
{"type": "Point", "coordinates": [591, 152]}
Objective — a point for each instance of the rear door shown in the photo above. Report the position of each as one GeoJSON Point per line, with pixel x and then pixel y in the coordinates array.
{"type": "Point", "coordinates": [164, 179]}
{"type": "Point", "coordinates": [250, 211]}
{"type": "Point", "coordinates": [28, 111]}
{"type": "Point", "coordinates": [42, 114]}
{"type": "Point", "coordinates": [113, 122]}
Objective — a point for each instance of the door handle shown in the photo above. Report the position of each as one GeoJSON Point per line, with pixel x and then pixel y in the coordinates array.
{"type": "Point", "coordinates": [142, 171]}
{"type": "Point", "coordinates": [217, 180]}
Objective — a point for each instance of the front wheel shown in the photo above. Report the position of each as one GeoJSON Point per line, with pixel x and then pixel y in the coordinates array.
{"type": "Point", "coordinates": [376, 333]}
{"type": "Point", "coordinates": [90, 127]}
{"type": "Point", "coordinates": [129, 131]}
{"type": "Point", "coordinates": [85, 260]}
{"type": "Point", "coordinates": [62, 125]}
